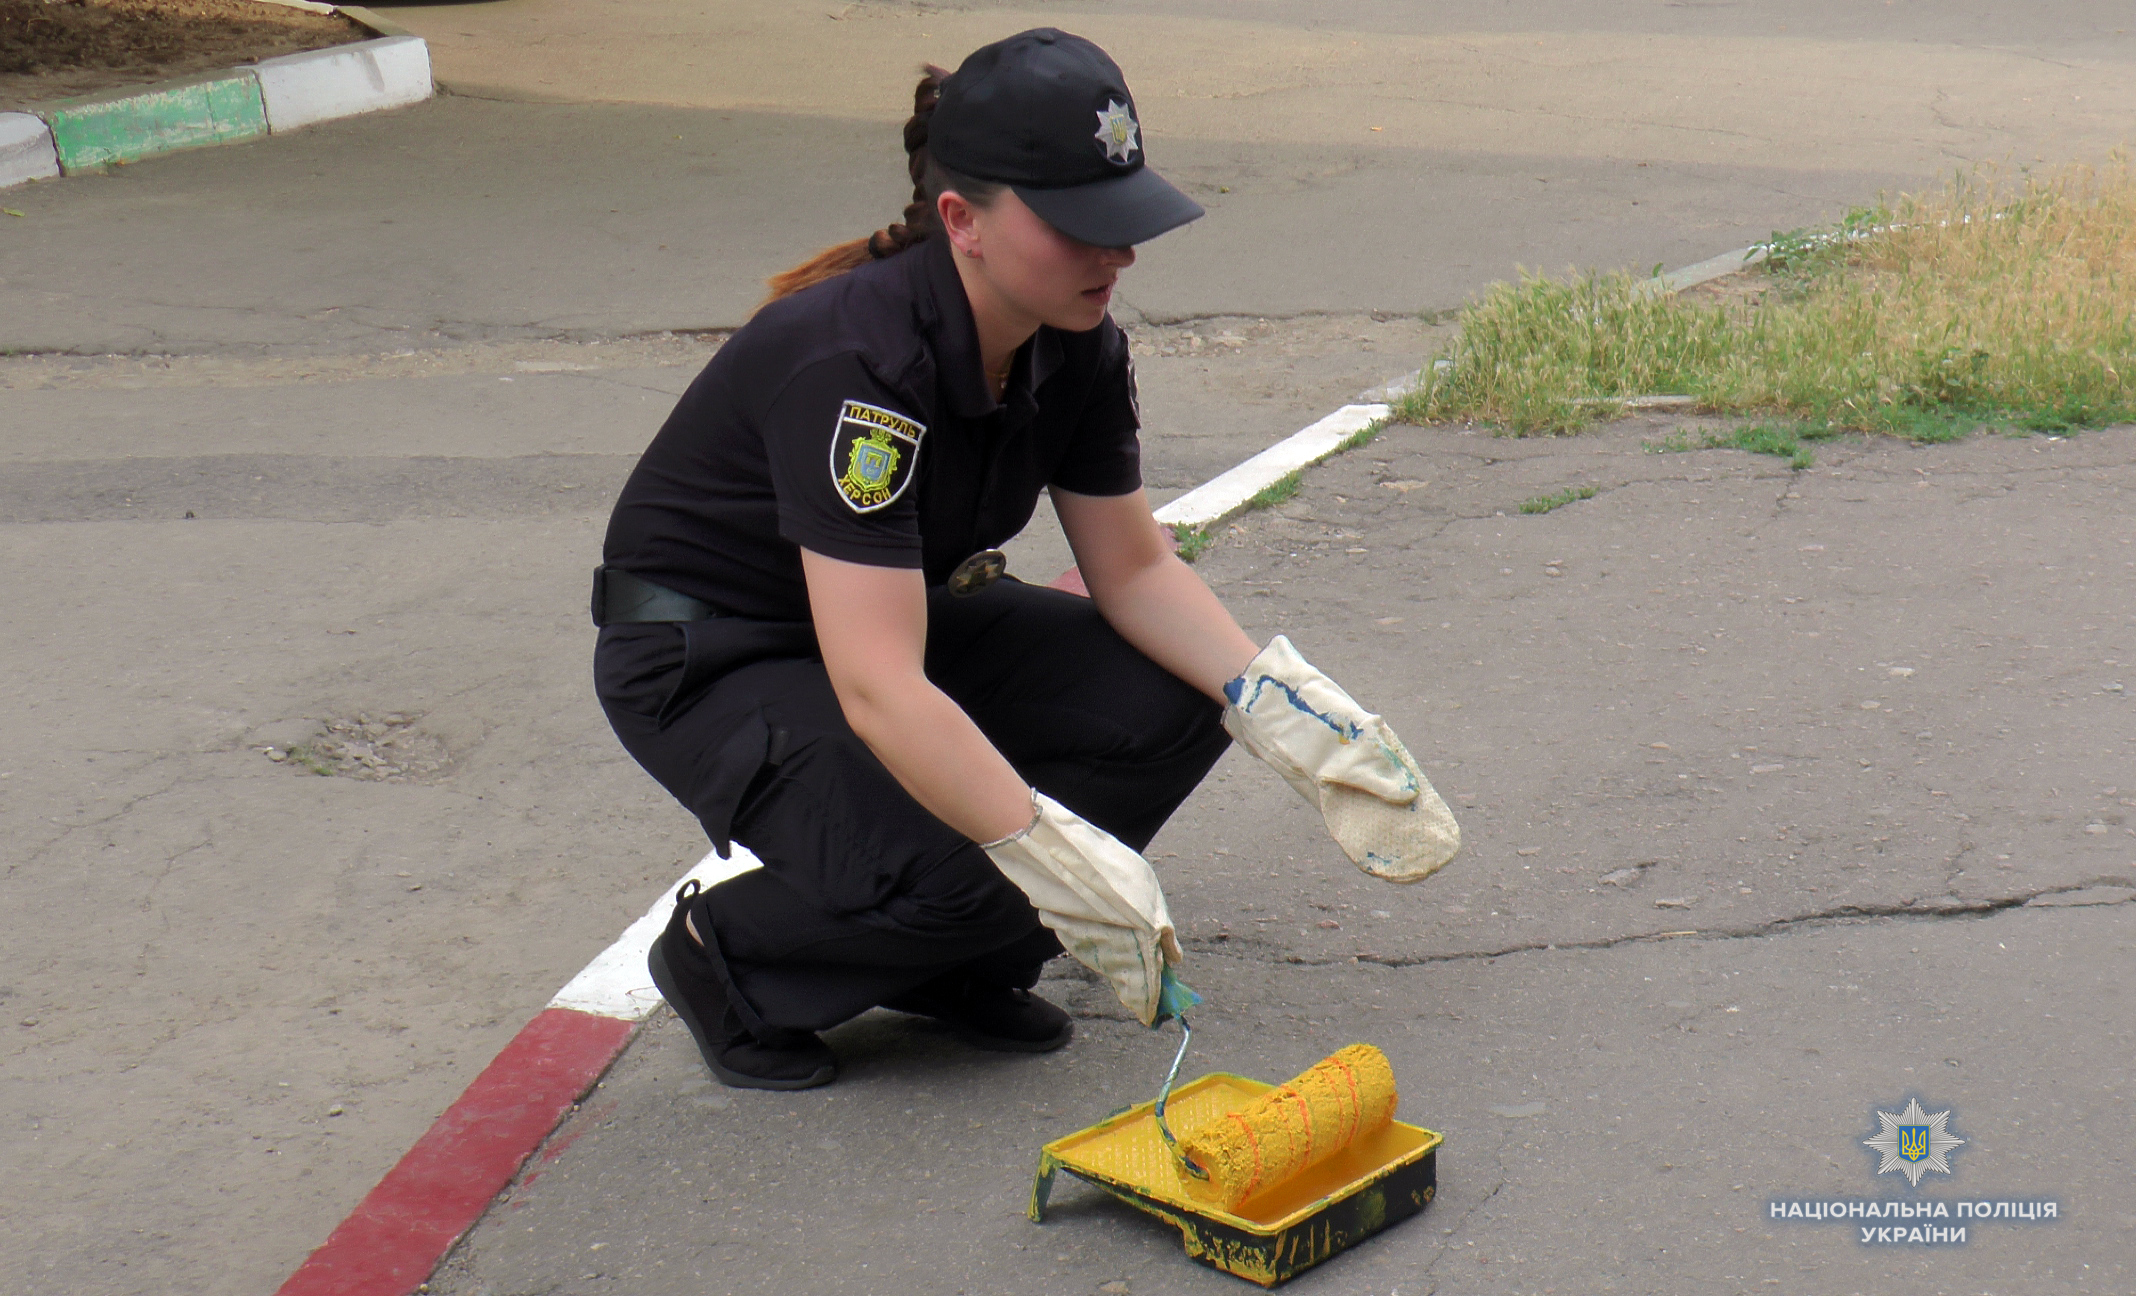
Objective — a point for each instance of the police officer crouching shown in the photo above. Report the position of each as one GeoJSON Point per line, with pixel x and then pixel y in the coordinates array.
{"type": "Point", "coordinates": [806, 637]}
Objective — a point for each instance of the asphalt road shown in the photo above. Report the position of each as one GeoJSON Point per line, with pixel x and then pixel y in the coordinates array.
{"type": "Point", "coordinates": [393, 367]}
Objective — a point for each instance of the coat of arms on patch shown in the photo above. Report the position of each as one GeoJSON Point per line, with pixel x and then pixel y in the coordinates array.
{"type": "Point", "coordinates": [873, 454]}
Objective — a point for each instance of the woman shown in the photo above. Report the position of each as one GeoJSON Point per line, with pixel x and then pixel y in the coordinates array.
{"type": "Point", "coordinates": [945, 774]}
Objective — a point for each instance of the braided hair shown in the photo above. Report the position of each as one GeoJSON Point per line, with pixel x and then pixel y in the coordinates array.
{"type": "Point", "coordinates": [929, 181]}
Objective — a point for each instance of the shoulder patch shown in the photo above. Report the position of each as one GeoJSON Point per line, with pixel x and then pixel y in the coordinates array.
{"type": "Point", "coordinates": [873, 454]}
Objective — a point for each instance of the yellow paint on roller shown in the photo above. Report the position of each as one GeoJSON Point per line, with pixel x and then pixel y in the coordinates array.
{"type": "Point", "coordinates": [1340, 1099]}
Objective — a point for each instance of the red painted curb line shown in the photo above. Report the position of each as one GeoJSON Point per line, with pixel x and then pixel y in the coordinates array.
{"type": "Point", "coordinates": [400, 1231]}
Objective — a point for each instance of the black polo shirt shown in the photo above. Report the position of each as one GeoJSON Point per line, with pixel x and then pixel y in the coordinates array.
{"type": "Point", "coordinates": [855, 419]}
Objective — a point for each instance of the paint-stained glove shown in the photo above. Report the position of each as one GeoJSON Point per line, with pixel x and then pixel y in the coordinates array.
{"type": "Point", "coordinates": [1345, 760]}
{"type": "Point", "coordinates": [1099, 897]}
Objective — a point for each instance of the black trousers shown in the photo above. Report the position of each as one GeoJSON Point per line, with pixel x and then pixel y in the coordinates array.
{"type": "Point", "coordinates": [865, 895]}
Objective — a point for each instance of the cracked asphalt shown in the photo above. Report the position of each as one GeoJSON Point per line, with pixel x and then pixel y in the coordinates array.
{"type": "Point", "coordinates": [322, 430]}
{"type": "Point", "coordinates": [1784, 795]}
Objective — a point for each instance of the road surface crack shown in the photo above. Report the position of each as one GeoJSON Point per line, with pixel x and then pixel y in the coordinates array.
{"type": "Point", "coordinates": [1941, 910]}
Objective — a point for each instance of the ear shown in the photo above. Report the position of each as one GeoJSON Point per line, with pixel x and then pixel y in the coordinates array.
{"type": "Point", "coordinates": [960, 220]}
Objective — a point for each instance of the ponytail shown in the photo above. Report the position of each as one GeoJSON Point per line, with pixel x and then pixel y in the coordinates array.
{"type": "Point", "coordinates": [920, 222]}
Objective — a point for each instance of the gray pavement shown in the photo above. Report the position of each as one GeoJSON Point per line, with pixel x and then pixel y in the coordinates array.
{"type": "Point", "coordinates": [393, 368]}
{"type": "Point", "coordinates": [1784, 795]}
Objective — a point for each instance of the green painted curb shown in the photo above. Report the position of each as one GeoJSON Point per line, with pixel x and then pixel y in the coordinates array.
{"type": "Point", "coordinates": [123, 125]}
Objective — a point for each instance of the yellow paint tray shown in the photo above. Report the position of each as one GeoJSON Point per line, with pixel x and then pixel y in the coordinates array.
{"type": "Point", "coordinates": [1278, 1234]}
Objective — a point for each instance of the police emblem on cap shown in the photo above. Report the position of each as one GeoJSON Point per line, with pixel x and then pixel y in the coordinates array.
{"type": "Point", "coordinates": [873, 453]}
{"type": "Point", "coordinates": [1118, 134]}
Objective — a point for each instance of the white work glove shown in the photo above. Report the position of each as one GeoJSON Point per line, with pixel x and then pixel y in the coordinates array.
{"type": "Point", "coordinates": [1343, 759]}
{"type": "Point", "coordinates": [1098, 896]}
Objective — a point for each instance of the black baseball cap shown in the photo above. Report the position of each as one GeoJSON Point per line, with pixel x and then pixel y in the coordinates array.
{"type": "Point", "coordinates": [1048, 114]}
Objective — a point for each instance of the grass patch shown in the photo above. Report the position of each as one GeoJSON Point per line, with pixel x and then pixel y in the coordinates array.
{"type": "Point", "coordinates": [1190, 542]}
{"type": "Point", "coordinates": [1570, 495]}
{"type": "Point", "coordinates": [303, 757]}
{"type": "Point", "coordinates": [1362, 437]}
{"type": "Point", "coordinates": [1277, 491]}
{"type": "Point", "coordinates": [1780, 438]}
{"type": "Point", "coordinates": [1981, 304]}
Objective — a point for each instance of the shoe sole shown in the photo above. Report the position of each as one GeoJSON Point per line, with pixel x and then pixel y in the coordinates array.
{"type": "Point", "coordinates": [664, 980]}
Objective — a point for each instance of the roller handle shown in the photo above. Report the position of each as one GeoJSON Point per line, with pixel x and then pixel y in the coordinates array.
{"type": "Point", "coordinates": [1164, 1095]}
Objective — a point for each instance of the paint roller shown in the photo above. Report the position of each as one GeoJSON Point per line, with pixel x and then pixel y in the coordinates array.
{"type": "Point", "coordinates": [1343, 1098]}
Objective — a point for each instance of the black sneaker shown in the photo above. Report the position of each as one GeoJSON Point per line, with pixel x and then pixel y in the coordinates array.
{"type": "Point", "coordinates": [997, 1017]}
{"type": "Point", "coordinates": [776, 1059]}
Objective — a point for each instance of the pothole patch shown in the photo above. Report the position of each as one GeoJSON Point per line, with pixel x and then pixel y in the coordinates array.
{"type": "Point", "coordinates": [384, 748]}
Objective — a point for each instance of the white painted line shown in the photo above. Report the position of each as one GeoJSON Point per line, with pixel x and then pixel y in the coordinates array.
{"type": "Point", "coordinates": [1395, 388]}
{"type": "Point", "coordinates": [1228, 493]}
{"type": "Point", "coordinates": [616, 983]}
{"type": "Point", "coordinates": [344, 80]}
{"type": "Point", "coordinates": [26, 151]}
{"type": "Point", "coordinates": [1712, 268]}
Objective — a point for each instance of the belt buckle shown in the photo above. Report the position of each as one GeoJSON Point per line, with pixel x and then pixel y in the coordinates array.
{"type": "Point", "coordinates": [977, 572]}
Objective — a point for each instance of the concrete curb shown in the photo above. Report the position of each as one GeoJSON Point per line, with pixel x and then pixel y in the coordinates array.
{"type": "Point", "coordinates": [344, 80]}
{"type": "Point", "coordinates": [1229, 493]}
{"type": "Point", "coordinates": [278, 95]}
{"type": "Point", "coordinates": [1712, 268]}
{"type": "Point", "coordinates": [127, 125]}
{"type": "Point", "coordinates": [25, 149]}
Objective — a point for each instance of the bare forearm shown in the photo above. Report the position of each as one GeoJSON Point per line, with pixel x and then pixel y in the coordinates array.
{"type": "Point", "coordinates": [939, 756]}
{"type": "Point", "coordinates": [871, 623]}
{"type": "Point", "coordinates": [1167, 612]}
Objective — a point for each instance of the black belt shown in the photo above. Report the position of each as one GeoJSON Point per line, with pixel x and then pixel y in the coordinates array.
{"type": "Point", "coordinates": [620, 598]}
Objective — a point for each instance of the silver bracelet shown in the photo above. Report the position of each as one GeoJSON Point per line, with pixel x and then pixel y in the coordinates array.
{"type": "Point", "coordinates": [1038, 812]}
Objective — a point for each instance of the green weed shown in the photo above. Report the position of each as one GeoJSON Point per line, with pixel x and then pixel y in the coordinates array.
{"type": "Point", "coordinates": [1190, 542]}
{"type": "Point", "coordinates": [1362, 437]}
{"type": "Point", "coordinates": [1781, 439]}
{"type": "Point", "coordinates": [1277, 491]}
{"type": "Point", "coordinates": [310, 760]}
{"type": "Point", "coordinates": [1570, 495]}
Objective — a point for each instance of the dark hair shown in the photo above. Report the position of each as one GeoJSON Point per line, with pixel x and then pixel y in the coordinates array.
{"type": "Point", "coordinates": [930, 180]}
